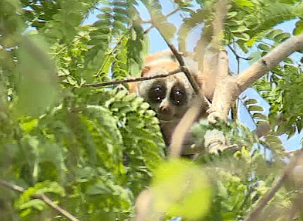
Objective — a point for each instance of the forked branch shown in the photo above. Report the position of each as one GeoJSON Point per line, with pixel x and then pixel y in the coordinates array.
{"type": "Point", "coordinates": [231, 87]}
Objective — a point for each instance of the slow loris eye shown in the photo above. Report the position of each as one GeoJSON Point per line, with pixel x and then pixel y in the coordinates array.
{"type": "Point", "coordinates": [157, 93]}
{"type": "Point", "coordinates": [178, 96]}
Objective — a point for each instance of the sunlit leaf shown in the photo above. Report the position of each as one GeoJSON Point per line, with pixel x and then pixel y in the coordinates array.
{"type": "Point", "coordinates": [181, 188]}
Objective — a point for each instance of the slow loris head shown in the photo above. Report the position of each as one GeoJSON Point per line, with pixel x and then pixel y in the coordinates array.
{"type": "Point", "coordinates": [169, 97]}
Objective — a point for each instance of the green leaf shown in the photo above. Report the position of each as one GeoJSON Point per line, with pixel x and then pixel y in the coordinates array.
{"type": "Point", "coordinates": [29, 125]}
{"type": "Point", "coordinates": [299, 28]}
{"type": "Point", "coordinates": [167, 29]}
{"type": "Point", "coordinates": [282, 37]}
{"type": "Point", "coordinates": [260, 116]}
{"type": "Point", "coordinates": [231, 14]}
{"type": "Point", "coordinates": [186, 193]}
{"type": "Point", "coordinates": [33, 204]}
{"type": "Point", "coordinates": [250, 101]}
{"type": "Point", "coordinates": [264, 47]}
{"type": "Point", "coordinates": [38, 88]}
{"type": "Point", "coordinates": [238, 29]}
{"type": "Point", "coordinates": [255, 108]}
{"type": "Point", "coordinates": [244, 3]}
{"type": "Point", "coordinates": [242, 36]}
{"type": "Point", "coordinates": [272, 34]}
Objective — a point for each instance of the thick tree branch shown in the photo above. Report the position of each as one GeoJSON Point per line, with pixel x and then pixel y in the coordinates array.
{"type": "Point", "coordinates": [215, 67]}
{"type": "Point", "coordinates": [223, 63]}
{"type": "Point", "coordinates": [218, 23]}
{"type": "Point", "coordinates": [268, 62]}
{"type": "Point", "coordinates": [212, 67]}
{"type": "Point", "coordinates": [41, 197]}
{"type": "Point", "coordinates": [232, 87]}
{"type": "Point", "coordinates": [291, 153]}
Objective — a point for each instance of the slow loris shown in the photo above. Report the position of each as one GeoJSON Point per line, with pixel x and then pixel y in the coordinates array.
{"type": "Point", "coordinates": [169, 97]}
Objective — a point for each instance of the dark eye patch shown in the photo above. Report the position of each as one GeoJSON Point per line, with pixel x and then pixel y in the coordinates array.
{"type": "Point", "coordinates": [178, 95]}
{"type": "Point", "coordinates": [157, 92]}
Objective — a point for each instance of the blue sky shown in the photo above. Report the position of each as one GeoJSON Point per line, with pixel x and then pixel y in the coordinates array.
{"type": "Point", "coordinates": [158, 44]}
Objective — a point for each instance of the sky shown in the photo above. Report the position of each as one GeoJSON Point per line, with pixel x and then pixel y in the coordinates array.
{"type": "Point", "coordinates": [158, 44]}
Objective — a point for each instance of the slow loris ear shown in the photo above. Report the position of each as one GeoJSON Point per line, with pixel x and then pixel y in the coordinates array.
{"type": "Point", "coordinates": [145, 70]}
{"type": "Point", "coordinates": [162, 55]}
{"type": "Point", "coordinates": [133, 86]}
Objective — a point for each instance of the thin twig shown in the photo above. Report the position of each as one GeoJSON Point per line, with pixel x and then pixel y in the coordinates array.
{"type": "Point", "coordinates": [148, 29]}
{"type": "Point", "coordinates": [41, 197]}
{"type": "Point", "coordinates": [103, 84]}
{"type": "Point", "coordinates": [172, 12]}
{"type": "Point", "coordinates": [146, 22]}
{"type": "Point", "coordinates": [262, 203]}
{"type": "Point", "coordinates": [238, 56]}
{"type": "Point", "coordinates": [183, 66]}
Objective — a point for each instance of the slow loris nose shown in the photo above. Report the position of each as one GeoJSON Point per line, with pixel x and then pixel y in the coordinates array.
{"type": "Point", "coordinates": [165, 107]}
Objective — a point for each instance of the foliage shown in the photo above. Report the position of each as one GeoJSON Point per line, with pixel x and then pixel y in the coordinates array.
{"type": "Point", "coordinates": [93, 150]}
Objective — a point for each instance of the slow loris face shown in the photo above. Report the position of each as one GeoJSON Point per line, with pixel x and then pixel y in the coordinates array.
{"type": "Point", "coordinates": [169, 97]}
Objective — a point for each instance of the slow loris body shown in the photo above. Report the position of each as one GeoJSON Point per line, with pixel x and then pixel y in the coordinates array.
{"type": "Point", "coordinates": [169, 97]}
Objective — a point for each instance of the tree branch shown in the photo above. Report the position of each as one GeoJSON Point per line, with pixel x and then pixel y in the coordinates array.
{"type": "Point", "coordinates": [104, 84]}
{"type": "Point", "coordinates": [268, 62]}
{"type": "Point", "coordinates": [218, 23]}
{"type": "Point", "coordinates": [41, 197]}
{"type": "Point", "coordinates": [215, 67]}
{"type": "Point", "coordinates": [183, 67]}
{"type": "Point", "coordinates": [181, 131]}
{"type": "Point", "coordinates": [262, 203]}
{"type": "Point", "coordinates": [232, 87]}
